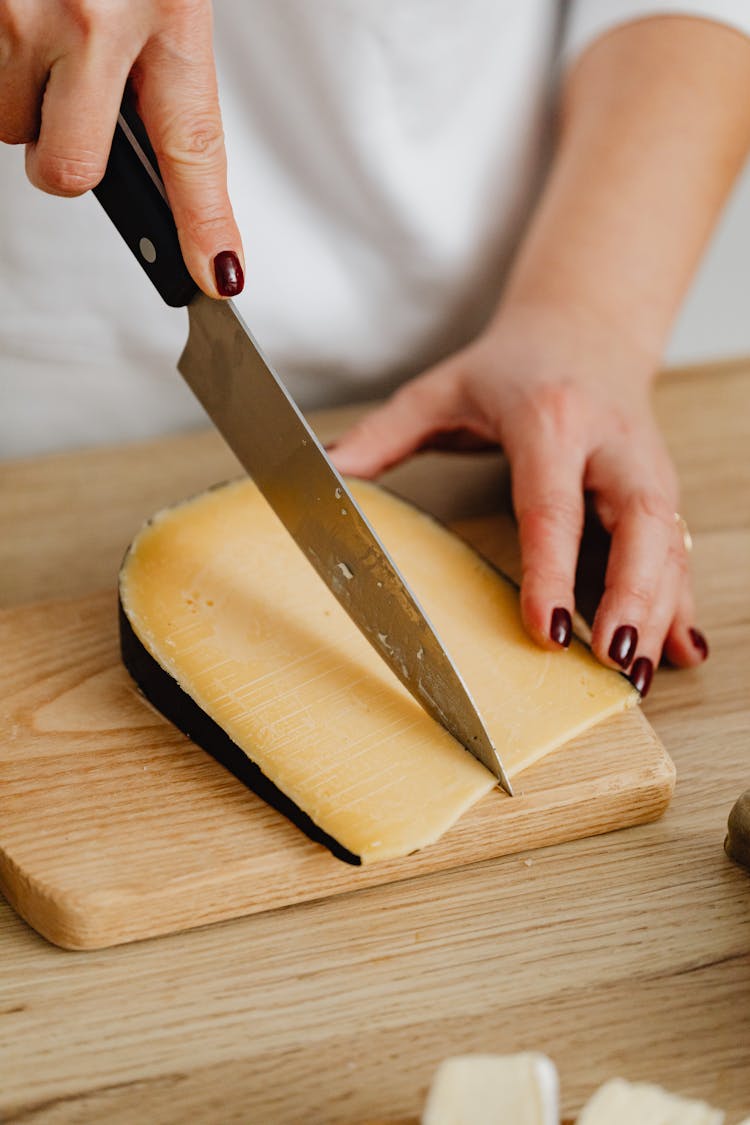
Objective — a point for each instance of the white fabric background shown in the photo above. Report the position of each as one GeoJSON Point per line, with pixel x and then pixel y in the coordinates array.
{"type": "Point", "coordinates": [383, 154]}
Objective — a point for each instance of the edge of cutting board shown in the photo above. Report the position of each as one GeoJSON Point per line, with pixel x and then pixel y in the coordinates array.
{"type": "Point", "coordinates": [115, 827]}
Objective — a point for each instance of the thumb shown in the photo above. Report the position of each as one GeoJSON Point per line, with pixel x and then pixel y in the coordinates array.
{"type": "Point", "coordinates": [419, 410]}
{"type": "Point", "coordinates": [175, 82]}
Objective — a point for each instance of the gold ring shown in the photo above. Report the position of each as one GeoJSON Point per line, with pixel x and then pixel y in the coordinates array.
{"type": "Point", "coordinates": [687, 538]}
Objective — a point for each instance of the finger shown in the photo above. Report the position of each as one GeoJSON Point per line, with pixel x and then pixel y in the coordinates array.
{"type": "Point", "coordinates": [644, 538]}
{"type": "Point", "coordinates": [685, 646]}
{"type": "Point", "coordinates": [79, 112]}
{"type": "Point", "coordinates": [175, 81]}
{"type": "Point", "coordinates": [653, 633]}
{"type": "Point", "coordinates": [23, 74]}
{"type": "Point", "coordinates": [408, 421]}
{"type": "Point", "coordinates": [549, 506]}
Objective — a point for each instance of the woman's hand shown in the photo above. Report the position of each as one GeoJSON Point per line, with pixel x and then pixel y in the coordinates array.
{"type": "Point", "coordinates": [572, 414]}
{"type": "Point", "coordinates": [654, 126]}
{"type": "Point", "coordinates": [63, 69]}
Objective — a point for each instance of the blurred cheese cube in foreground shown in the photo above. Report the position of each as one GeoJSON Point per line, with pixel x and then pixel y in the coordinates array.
{"type": "Point", "coordinates": [494, 1090]}
{"type": "Point", "coordinates": [624, 1103]}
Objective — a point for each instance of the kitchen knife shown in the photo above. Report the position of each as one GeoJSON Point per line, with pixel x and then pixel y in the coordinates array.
{"type": "Point", "coordinates": [259, 420]}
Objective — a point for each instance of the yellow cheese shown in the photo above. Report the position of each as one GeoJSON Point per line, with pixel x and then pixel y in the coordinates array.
{"type": "Point", "coordinates": [221, 597]}
{"type": "Point", "coordinates": [494, 1090]}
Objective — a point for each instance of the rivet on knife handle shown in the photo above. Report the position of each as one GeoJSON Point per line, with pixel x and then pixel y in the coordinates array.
{"type": "Point", "coordinates": [132, 194]}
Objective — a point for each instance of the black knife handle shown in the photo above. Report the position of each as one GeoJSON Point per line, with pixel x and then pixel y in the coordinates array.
{"type": "Point", "coordinates": [132, 193]}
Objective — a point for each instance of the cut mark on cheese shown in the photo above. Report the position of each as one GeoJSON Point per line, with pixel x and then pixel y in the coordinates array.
{"type": "Point", "coordinates": [267, 654]}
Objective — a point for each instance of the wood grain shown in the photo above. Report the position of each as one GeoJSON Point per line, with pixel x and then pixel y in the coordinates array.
{"type": "Point", "coordinates": [626, 953]}
{"type": "Point", "coordinates": [145, 834]}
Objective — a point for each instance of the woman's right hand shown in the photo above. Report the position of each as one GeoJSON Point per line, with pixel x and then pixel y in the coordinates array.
{"type": "Point", "coordinates": [63, 69]}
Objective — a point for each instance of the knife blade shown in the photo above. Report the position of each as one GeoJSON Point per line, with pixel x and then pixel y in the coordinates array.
{"type": "Point", "coordinates": [257, 417]}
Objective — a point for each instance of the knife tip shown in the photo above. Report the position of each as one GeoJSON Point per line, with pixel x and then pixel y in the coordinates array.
{"type": "Point", "coordinates": [502, 778]}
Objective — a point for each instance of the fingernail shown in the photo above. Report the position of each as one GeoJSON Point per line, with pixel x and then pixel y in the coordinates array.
{"type": "Point", "coordinates": [699, 642]}
{"type": "Point", "coordinates": [561, 627]}
{"type": "Point", "coordinates": [640, 675]}
{"type": "Point", "coordinates": [230, 279]}
{"type": "Point", "coordinates": [624, 644]}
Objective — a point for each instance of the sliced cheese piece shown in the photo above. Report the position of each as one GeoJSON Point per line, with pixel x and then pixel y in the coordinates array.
{"type": "Point", "coordinates": [229, 631]}
{"type": "Point", "coordinates": [494, 1090]}
{"type": "Point", "coordinates": [624, 1103]}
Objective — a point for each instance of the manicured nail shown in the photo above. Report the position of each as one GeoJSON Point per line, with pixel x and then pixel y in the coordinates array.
{"type": "Point", "coordinates": [230, 279]}
{"type": "Point", "coordinates": [624, 644]}
{"type": "Point", "coordinates": [699, 642]}
{"type": "Point", "coordinates": [561, 627]}
{"type": "Point", "coordinates": [640, 675]}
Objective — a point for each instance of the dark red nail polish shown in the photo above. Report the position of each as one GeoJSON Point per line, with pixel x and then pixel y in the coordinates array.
{"type": "Point", "coordinates": [699, 642]}
{"type": "Point", "coordinates": [640, 675]}
{"type": "Point", "coordinates": [623, 646]}
{"type": "Point", "coordinates": [230, 279]}
{"type": "Point", "coordinates": [561, 627]}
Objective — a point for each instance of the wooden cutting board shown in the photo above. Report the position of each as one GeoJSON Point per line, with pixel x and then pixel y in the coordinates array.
{"type": "Point", "coordinates": [115, 827]}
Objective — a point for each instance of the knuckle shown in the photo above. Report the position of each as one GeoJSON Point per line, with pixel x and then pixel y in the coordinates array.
{"type": "Point", "coordinates": [414, 395]}
{"type": "Point", "coordinates": [205, 224]}
{"type": "Point", "coordinates": [411, 404]}
{"type": "Point", "coordinates": [193, 140]}
{"type": "Point", "coordinates": [634, 594]}
{"type": "Point", "coordinates": [369, 428]}
{"type": "Point", "coordinates": [68, 175]}
{"type": "Point", "coordinates": [7, 47]}
{"type": "Point", "coordinates": [86, 16]}
{"type": "Point", "coordinates": [639, 595]}
{"type": "Point", "coordinates": [185, 9]}
{"type": "Point", "coordinates": [557, 406]}
{"type": "Point", "coordinates": [11, 28]}
{"type": "Point", "coordinates": [557, 509]}
{"type": "Point", "coordinates": [651, 504]}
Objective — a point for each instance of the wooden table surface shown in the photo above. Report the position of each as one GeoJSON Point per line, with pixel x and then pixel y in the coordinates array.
{"type": "Point", "coordinates": [625, 954]}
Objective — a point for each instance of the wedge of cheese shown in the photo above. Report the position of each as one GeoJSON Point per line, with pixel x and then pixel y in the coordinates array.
{"type": "Point", "coordinates": [231, 634]}
{"type": "Point", "coordinates": [494, 1090]}
{"type": "Point", "coordinates": [624, 1103]}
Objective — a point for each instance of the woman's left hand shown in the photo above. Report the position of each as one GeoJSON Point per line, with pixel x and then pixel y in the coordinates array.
{"type": "Point", "coordinates": [653, 126]}
{"type": "Point", "coordinates": [572, 414]}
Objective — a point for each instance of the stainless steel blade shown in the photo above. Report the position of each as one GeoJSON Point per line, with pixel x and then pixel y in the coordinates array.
{"type": "Point", "coordinates": [237, 387]}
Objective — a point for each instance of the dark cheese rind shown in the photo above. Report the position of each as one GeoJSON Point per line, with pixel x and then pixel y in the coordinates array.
{"type": "Point", "coordinates": [166, 695]}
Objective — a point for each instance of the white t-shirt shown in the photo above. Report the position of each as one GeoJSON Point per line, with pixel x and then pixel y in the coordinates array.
{"type": "Point", "coordinates": [383, 157]}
